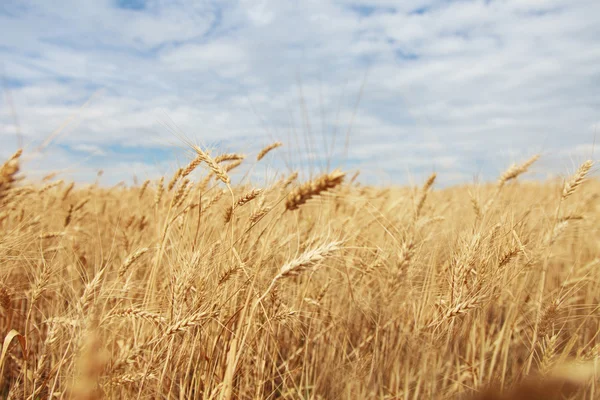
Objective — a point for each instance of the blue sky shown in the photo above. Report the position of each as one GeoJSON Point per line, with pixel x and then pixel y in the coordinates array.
{"type": "Point", "coordinates": [463, 88]}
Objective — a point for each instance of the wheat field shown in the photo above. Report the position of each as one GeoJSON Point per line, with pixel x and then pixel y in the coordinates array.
{"type": "Point", "coordinates": [200, 285]}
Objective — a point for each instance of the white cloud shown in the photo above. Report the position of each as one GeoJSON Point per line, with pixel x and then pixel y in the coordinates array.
{"type": "Point", "coordinates": [223, 59]}
{"type": "Point", "coordinates": [458, 86]}
{"type": "Point", "coordinates": [88, 148]}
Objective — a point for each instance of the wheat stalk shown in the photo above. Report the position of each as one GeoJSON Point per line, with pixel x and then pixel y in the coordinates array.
{"type": "Point", "coordinates": [258, 214]}
{"type": "Point", "coordinates": [191, 166]}
{"type": "Point", "coordinates": [8, 172]}
{"type": "Point", "coordinates": [313, 188]}
{"type": "Point", "coordinates": [423, 194]}
{"type": "Point", "coordinates": [267, 149]}
{"type": "Point", "coordinates": [133, 257]}
{"type": "Point", "coordinates": [307, 260]}
{"type": "Point", "coordinates": [232, 165]}
{"type": "Point", "coordinates": [291, 178]}
{"type": "Point", "coordinates": [246, 198]}
{"type": "Point", "coordinates": [229, 157]}
{"type": "Point", "coordinates": [576, 180]}
{"type": "Point", "coordinates": [180, 194]}
{"type": "Point", "coordinates": [159, 191]}
{"type": "Point", "coordinates": [214, 166]}
{"type": "Point", "coordinates": [174, 179]}
{"type": "Point", "coordinates": [515, 170]}
{"type": "Point", "coordinates": [67, 191]}
{"type": "Point", "coordinates": [143, 188]}
{"type": "Point", "coordinates": [189, 322]}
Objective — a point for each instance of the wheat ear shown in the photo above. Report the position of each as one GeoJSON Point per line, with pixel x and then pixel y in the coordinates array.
{"type": "Point", "coordinates": [515, 170]}
{"type": "Point", "coordinates": [303, 193]}
{"type": "Point", "coordinates": [251, 195]}
{"type": "Point", "coordinates": [576, 180]}
{"type": "Point", "coordinates": [213, 165]}
{"type": "Point", "coordinates": [267, 149]}
{"type": "Point", "coordinates": [229, 157]}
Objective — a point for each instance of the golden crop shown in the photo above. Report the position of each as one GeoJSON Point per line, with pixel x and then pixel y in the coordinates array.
{"type": "Point", "coordinates": [324, 289]}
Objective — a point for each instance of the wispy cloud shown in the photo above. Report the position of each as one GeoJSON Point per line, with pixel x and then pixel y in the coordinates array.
{"type": "Point", "coordinates": [461, 87]}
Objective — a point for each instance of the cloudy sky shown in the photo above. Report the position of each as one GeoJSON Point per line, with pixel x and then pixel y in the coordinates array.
{"type": "Point", "coordinates": [396, 89]}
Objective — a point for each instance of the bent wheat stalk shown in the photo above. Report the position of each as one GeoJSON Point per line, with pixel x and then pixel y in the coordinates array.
{"type": "Point", "coordinates": [267, 149]}
{"type": "Point", "coordinates": [251, 195]}
{"type": "Point", "coordinates": [308, 259]}
{"type": "Point", "coordinates": [213, 165]}
{"type": "Point", "coordinates": [569, 188]}
{"type": "Point", "coordinates": [313, 188]}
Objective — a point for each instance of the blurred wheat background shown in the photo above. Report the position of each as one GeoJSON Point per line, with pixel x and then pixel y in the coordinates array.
{"type": "Point", "coordinates": [199, 285]}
